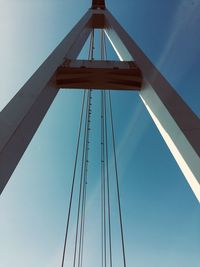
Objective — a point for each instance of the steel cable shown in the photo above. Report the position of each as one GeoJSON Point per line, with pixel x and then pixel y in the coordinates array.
{"type": "Point", "coordinates": [117, 180]}
{"type": "Point", "coordinates": [90, 55]}
{"type": "Point", "coordinates": [73, 180]}
{"type": "Point", "coordinates": [107, 180]}
{"type": "Point", "coordinates": [81, 187]}
{"type": "Point", "coordinates": [88, 119]}
{"type": "Point", "coordinates": [80, 254]}
{"type": "Point", "coordinates": [104, 54]}
{"type": "Point", "coordinates": [76, 158]}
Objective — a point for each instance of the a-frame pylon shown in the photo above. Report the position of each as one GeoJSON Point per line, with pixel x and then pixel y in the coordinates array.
{"type": "Point", "coordinates": [178, 125]}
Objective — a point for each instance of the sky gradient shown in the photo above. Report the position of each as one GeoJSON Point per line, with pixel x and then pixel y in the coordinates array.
{"type": "Point", "coordinates": [160, 213]}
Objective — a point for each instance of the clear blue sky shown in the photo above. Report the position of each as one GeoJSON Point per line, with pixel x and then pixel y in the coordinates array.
{"type": "Point", "coordinates": [161, 215]}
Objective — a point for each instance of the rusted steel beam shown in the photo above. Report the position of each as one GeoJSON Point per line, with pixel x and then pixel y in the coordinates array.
{"type": "Point", "coordinates": [114, 75]}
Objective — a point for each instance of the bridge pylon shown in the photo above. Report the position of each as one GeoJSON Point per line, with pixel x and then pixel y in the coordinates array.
{"type": "Point", "coordinates": [178, 125]}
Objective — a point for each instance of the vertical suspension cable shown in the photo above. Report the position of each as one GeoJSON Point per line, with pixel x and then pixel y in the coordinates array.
{"type": "Point", "coordinates": [85, 185]}
{"type": "Point", "coordinates": [102, 203]}
{"type": "Point", "coordinates": [73, 180]}
{"type": "Point", "coordinates": [84, 188]}
{"type": "Point", "coordinates": [104, 56]}
{"type": "Point", "coordinates": [107, 180]}
{"type": "Point", "coordinates": [91, 52]}
{"type": "Point", "coordinates": [83, 226]}
{"type": "Point", "coordinates": [105, 195]}
{"type": "Point", "coordinates": [104, 45]}
{"type": "Point", "coordinates": [117, 180]}
{"type": "Point", "coordinates": [83, 157]}
{"type": "Point", "coordinates": [83, 203]}
{"type": "Point", "coordinates": [88, 118]}
{"type": "Point", "coordinates": [116, 170]}
{"type": "Point", "coordinates": [103, 181]}
{"type": "Point", "coordinates": [81, 186]}
{"type": "Point", "coordinates": [75, 164]}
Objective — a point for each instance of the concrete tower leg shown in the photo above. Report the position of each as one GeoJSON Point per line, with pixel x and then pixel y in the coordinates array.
{"type": "Point", "coordinates": [178, 125]}
{"type": "Point", "coordinates": [20, 119]}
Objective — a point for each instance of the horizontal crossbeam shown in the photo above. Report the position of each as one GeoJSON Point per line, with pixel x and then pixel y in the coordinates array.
{"type": "Point", "coordinates": [98, 74]}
